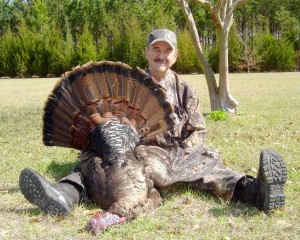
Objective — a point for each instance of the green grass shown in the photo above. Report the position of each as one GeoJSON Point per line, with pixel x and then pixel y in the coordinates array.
{"type": "Point", "coordinates": [218, 115]}
{"type": "Point", "coordinates": [269, 117]}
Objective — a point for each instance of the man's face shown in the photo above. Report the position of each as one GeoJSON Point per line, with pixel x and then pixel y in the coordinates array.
{"type": "Point", "coordinates": [161, 56]}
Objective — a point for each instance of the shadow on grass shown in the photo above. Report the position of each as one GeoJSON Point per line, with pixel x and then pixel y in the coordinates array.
{"type": "Point", "coordinates": [9, 190]}
{"type": "Point", "coordinates": [60, 170]}
{"type": "Point", "coordinates": [181, 188]}
{"type": "Point", "coordinates": [18, 209]}
{"type": "Point", "coordinates": [234, 210]}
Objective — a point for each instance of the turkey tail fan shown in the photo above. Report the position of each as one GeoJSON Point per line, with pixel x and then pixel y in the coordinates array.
{"type": "Point", "coordinates": [97, 92]}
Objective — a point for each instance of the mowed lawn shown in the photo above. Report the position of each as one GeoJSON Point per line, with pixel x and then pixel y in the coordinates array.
{"type": "Point", "coordinates": [269, 117]}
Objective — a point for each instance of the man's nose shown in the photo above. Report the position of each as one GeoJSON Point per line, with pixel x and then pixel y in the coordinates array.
{"type": "Point", "coordinates": [162, 55]}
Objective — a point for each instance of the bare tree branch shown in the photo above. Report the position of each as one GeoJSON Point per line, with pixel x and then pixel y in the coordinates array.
{"type": "Point", "coordinates": [221, 5]}
{"type": "Point", "coordinates": [222, 15]}
{"type": "Point", "coordinates": [235, 5]}
{"type": "Point", "coordinates": [223, 9]}
{"type": "Point", "coordinates": [187, 11]}
{"type": "Point", "coordinates": [231, 8]}
{"type": "Point", "coordinates": [218, 6]}
{"type": "Point", "coordinates": [216, 16]}
{"type": "Point", "coordinates": [205, 4]}
{"type": "Point", "coordinates": [209, 75]}
{"type": "Point", "coordinates": [208, 7]}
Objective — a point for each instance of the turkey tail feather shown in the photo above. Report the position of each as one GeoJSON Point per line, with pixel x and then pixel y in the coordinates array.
{"type": "Point", "coordinates": [97, 92]}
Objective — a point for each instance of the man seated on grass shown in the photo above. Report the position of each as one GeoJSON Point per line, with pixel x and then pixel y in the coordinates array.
{"type": "Point", "coordinates": [266, 191]}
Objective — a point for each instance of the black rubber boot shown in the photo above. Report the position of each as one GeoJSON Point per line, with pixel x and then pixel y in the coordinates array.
{"type": "Point", "coordinates": [266, 192]}
{"type": "Point", "coordinates": [272, 175]}
{"type": "Point", "coordinates": [55, 199]}
{"type": "Point", "coordinates": [246, 190]}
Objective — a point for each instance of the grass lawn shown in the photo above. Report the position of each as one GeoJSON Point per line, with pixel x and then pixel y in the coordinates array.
{"type": "Point", "coordinates": [269, 117]}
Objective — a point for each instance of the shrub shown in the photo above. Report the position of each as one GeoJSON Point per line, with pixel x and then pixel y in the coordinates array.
{"type": "Point", "coordinates": [86, 49]}
{"type": "Point", "coordinates": [7, 46]}
{"type": "Point", "coordinates": [277, 54]}
{"type": "Point", "coordinates": [234, 52]}
{"type": "Point", "coordinates": [218, 115]}
{"type": "Point", "coordinates": [188, 61]}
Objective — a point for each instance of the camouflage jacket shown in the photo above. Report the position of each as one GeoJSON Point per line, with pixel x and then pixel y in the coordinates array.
{"type": "Point", "coordinates": [189, 129]}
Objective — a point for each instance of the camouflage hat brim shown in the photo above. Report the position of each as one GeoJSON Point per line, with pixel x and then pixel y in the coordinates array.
{"type": "Point", "coordinates": [164, 35]}
{"type": "Point", "coordinates": [163, 40]}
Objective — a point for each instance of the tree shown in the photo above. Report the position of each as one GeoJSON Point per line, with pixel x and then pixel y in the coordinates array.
{"type": "Point", "coordinates": [222, 15]}
{"type": "Point", "coordinates": [7, 54]}
{"type": "Point", "coordinates": [187, 61]}
{"type": "Point", "coordinates": [250, 59]}
{"type": "Point", "coordinates": [277, 54]}
{"type": "Point", "coordinates": [60, 51]}
{"type": "Point", "coordinates": [209, 75]}
{"type": "Point", "coordinates": [24, 51]}
{"type": "Point", "coordinates": [235, 47]}
{"type": "Point", "coordinates": [86, 49]}
{"type": "Point", "coordinates": [4, 13]}
{"type": "Point", "coordinates": [62, 34]}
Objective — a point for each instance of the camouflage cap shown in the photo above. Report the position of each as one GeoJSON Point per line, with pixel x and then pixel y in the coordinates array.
{"type": "Point", "coordinates": [163, 35]}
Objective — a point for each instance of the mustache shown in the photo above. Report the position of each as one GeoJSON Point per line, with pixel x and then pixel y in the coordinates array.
{"type": "Point", "coordinates": [160, 60]}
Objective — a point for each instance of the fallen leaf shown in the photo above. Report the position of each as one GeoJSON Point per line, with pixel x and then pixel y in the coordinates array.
{"type": "Point", "coordinates": [59, 218]}
{"type": "Point", "coordinates": [37, 219]}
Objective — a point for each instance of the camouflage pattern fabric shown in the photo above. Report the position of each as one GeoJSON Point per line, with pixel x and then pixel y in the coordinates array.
{"type": "Point", "coordinates": [188, 132]}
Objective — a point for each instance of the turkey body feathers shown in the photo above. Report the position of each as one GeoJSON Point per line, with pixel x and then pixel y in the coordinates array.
{"type": "Point", "coordinates": [122, 188]}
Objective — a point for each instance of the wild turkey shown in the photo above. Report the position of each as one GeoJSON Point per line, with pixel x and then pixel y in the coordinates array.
{"type": "Point", "coordinates": [106, 108]}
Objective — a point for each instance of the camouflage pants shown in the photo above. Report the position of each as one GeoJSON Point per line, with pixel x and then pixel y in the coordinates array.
{"type": "Point", "coordinates": [220, 181]}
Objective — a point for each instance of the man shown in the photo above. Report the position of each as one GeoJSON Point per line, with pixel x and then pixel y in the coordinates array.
{"type": "Point", "coordinates": [264, 192]}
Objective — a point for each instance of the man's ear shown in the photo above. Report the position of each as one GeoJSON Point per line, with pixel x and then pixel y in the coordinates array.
{"type": "Point", "coordinates": [176, 54]}
{"type": "Point", "coordinates": [146, 51]}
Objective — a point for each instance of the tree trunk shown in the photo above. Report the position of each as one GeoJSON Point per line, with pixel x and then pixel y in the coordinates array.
{"type": "Point", "coordinates": [222, 15]}
{"type": "Point", "coordinates": [209, 75]}
{"type": "Point", "coordinates": [227, 102]}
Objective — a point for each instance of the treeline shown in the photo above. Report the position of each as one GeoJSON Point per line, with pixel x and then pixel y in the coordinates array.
{"type": "Point", "coordinates": [47, 38]}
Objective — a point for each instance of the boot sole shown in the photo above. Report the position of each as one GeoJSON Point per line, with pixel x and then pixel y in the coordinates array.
{"type": "Point", "coordinates": [272, 176]}
{"type": "Point", "coordinates": [40, 193]}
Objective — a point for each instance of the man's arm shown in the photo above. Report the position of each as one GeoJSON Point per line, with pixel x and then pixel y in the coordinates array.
{"type": "Point", "coordinates": [195, 128]}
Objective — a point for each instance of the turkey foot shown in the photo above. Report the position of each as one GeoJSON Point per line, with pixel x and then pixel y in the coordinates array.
{"type": "Point", "coordinates": [103, 220]}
